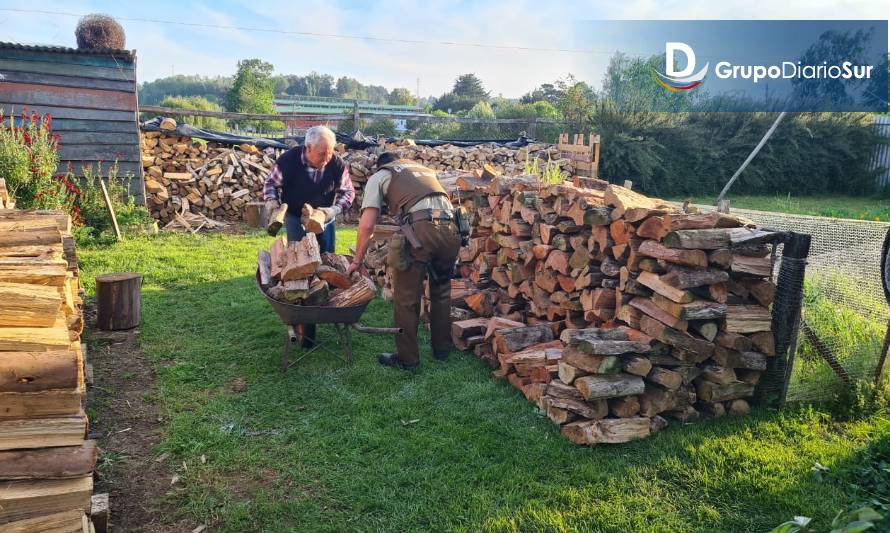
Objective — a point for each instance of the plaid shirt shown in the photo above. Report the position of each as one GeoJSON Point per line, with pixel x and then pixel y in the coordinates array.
{"type": "Point", "coordinates": [343, 197]}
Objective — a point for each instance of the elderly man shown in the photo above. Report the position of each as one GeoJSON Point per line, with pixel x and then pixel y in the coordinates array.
{"type": "Point", "coordinates": [427, 246]}
{"type": "Point", "coordinates": [313, 175]}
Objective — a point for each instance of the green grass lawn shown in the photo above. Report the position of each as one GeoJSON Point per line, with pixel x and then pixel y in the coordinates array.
{"type": "Point", "coordinates": [336, 446]}
{"type": "Point", "coordinates": [857, 207]}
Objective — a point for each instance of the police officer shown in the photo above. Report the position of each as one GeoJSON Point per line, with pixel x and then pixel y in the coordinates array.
{"type": "Point", "coordinates": [426, 246]}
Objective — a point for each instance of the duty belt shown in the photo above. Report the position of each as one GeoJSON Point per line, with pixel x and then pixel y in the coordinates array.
{"type": "Point", "coordinates": [418, 216]}
{"type": "Point", "coordinates": [427, 214]}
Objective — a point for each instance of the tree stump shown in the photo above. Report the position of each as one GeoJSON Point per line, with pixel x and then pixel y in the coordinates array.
{"type": "Point", "coordinates": [118, 300]}
{"type": "Point", "coordinates": [255, 214]}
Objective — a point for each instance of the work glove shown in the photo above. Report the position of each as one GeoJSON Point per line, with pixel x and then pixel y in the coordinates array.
{"type": "Point", "coordinates": [330, 213]}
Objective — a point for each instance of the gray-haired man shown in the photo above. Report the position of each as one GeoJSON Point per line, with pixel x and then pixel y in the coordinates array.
{"type": "Point", "coordinates": [314, 175]}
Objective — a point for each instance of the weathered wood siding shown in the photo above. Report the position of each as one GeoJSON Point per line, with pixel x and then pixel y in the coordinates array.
{"type": "Point", "coordinates": [91, 98]}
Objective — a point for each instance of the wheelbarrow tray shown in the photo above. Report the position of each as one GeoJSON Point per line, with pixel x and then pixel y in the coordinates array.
{"type": "Point", "coordinates": [292, 314]}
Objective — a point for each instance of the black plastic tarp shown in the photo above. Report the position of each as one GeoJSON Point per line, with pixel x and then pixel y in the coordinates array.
{"type": "Point", "coordinates": [355, 141]}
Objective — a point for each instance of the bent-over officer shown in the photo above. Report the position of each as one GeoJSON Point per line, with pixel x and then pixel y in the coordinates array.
{"type": "Point", "coordinates": [426, 246]}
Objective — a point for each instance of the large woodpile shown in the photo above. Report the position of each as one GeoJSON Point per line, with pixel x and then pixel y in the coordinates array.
{"type": "Point", "coordinates": [218, 181]}
{"type": "Point", "coordinates": [296, 273]}
{"type": "Point", "coordinates": [45, 463]}
{"type": "Point", "coordinates": [210, 179]}
{"type": "Point", "coordinates": [451, 161]}
{"type": "Point", "coordinates": [610, 309]}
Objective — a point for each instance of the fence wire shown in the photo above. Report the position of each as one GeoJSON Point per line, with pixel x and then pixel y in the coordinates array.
{"type": "Point", "coordinates": [845, 314]}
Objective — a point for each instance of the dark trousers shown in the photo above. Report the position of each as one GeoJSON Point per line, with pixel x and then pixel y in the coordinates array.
{"type": "Point", "coordinates": [441, 243]}
{"type": "Point", "coordinates": [326, 243]}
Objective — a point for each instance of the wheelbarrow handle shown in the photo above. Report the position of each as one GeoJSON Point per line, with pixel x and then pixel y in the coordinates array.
{"type": "Point", "coordinates": [378, 331]}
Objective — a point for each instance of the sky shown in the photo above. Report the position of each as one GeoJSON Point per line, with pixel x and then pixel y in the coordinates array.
{"type": "Point", "coordinates": [166, 43]}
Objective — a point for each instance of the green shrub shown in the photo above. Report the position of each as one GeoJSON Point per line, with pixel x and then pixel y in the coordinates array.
{"type": "Point", "coordinates": [195, 103]}
{"type": "Point", "coordinates": [381, 126]}
{"type": "Point", "coordinates": [28, 159]}
{"type": "Point", "coordinates": [95, 220]}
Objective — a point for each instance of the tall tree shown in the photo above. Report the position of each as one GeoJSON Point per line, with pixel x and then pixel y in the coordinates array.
{"type": "Point", "coordinates": [401, 96]}
{"type": "Point", "coordinates": [469, 86]}
{"type": "Point", "coordinates": [351, 88]}
{"type": "Point", "coordinates": [547, 92]}
{"type": "Point", "coordinates": [253, 88]}
{"type": "Point", "coordinates": [252, 91]}
{"type": "Point", "coordinates": [466, 93]}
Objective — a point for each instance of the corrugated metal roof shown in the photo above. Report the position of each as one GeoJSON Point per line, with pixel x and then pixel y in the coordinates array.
{"type": "Point", "coordinates": [129, 54]}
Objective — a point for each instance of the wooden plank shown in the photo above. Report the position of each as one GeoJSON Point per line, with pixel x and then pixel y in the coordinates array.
{"type": "Point", "coordinates": [42, 432]}
{"type": "Point", "coordinates": [72, 138]}
{"type": "Point", "coordinates": [29, 93]}
{"type": "Point", "coordinates": [61, 125]}
{"type": "Point", "coordinates": [49, 463]}
{"type": "Point", "coordinates": [25, 499]}
{"type": "Point", "coordinates": [110, 206]}
{"type": "Point", "coordinates": [101, 152]}
{"type": "Point", "coordinates": [72, 59]}
{"type": "Point", "coordinates": [63, 522]}
{"type": "Point", "coordinates": [52, 67]}
{"type": "Point", "coordinates": [9, 105]}
{"type": "Point", "coordinates": [59, 80]}
{"type": "Point", "coordinates": [54, 402]}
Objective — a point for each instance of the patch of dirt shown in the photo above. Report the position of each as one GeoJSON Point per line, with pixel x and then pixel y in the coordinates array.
{"type": "Point", "coordinates": [125, 420]}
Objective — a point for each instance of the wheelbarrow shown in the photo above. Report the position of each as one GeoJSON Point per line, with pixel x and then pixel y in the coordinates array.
{"type": "Point", "coordinates": [343, 319]}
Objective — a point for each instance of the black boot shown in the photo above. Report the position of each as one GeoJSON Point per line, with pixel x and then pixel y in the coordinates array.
{"type": "Point", "coordinates": [441, 356]}
{"type": "Point", "coordinates": [391, 359]}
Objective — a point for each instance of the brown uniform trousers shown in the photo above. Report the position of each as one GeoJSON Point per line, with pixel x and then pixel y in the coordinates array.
{"type": "Point", "coordinates": [441, 243]}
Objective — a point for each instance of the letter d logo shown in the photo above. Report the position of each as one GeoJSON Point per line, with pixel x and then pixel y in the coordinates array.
{"type": "Point", "coordinates": [682, 80]}
{"type": "Point", "coordinates": [669, 49]}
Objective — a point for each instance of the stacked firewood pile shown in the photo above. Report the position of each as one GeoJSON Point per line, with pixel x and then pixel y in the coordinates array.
{"type": "Point", "coordinates": [451, 160]}
{"type": "Point", "coordinates": [218, 181]}
{"type": "Point", "coordinates": [210, 179]}
{"type": "Point", "coordinates": [45, 462]}
{"type": "Point", "coordinates": [610, 309]}
{"type": "Point", "coordinates": [296, 273]}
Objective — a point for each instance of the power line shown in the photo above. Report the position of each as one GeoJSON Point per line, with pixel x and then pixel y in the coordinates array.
{"type": "Point", "coordinates": [323, 35]}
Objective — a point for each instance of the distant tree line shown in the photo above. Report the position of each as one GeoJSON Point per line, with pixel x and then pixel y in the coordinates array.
{"type": "Point", "coordinates": [693, 149]}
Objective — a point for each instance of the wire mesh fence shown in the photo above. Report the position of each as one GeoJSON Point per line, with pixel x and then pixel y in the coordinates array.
{"type": "Point", "coordinates": [845, 313]}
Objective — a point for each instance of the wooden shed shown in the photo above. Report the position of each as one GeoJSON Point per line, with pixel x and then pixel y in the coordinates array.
{"type": "Point", "coordinates": [91, 97]}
